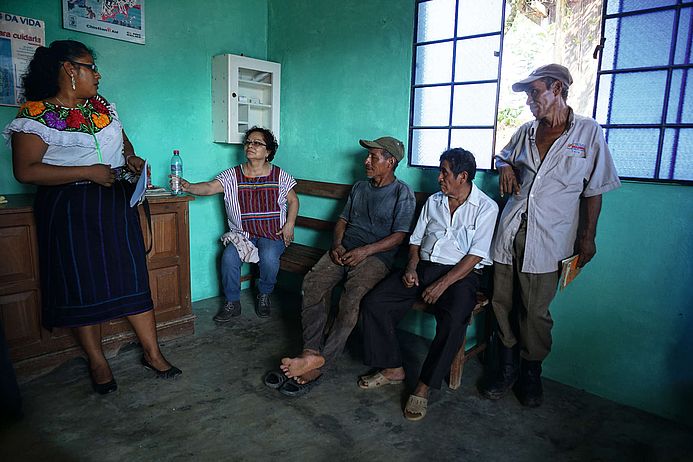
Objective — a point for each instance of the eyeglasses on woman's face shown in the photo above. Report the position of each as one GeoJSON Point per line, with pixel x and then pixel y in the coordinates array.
{"type": "Point", "coordinates": [91, 66]}
{"type": "Point", "coordinates": [254, 143]}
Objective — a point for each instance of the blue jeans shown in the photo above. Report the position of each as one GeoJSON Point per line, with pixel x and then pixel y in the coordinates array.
{"type": "Point", "coordinates": [269, 251]}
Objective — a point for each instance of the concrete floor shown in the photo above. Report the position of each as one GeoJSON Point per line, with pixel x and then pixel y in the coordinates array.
{"type": "Point", "coordinates": [220, 410]}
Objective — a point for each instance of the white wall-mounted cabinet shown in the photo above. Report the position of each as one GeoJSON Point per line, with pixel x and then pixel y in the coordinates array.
{"type": "Point", "coordinates": [245, 93]}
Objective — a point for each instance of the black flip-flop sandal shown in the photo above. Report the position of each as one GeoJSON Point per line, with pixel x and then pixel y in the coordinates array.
{"type": "Point", "coordinates": [294, 389]}
{"type": "Point", "coordinates": [275, 379]}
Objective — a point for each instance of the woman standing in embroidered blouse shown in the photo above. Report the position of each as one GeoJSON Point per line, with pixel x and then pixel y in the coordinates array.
{"type": "Point", "coordinates": [261, 209]}
{"type": "Point", "coordinates": [69, 142]}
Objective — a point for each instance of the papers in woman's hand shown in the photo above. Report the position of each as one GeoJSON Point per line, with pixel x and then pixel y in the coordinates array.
{"type": "Point", "coordinates": [140, 187]}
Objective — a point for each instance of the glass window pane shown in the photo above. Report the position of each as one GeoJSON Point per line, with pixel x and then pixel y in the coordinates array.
{"type": "Point", "coordinates": [603, 100]}
{"type": "Point", "coordinates": [626, 39]}
{"type": "Point", "coordinates": [635, 98]}
{"type": "Point", "coordinates": [475, 59]}
{"type": "Point", "coordinates": [681, 97]}
{"type": "Point", "coordinates": [475, 17]}
{"type": "Point", "coordinates": [634, 151]}
{"type": "Point", "coordinates": [622, 6]}
{"type": "Point", "coordinates": [478, 141]}
{"type": "Point", "coordinates": [434, 63]}
{"type": "Point", "coordinates": [427, 145]}
{"type": "Point", "coordinates": [432, 106]}
{"type": "Point", "coordinates": [436, 20]}
{"type": "Point", "coordinates": [677, 155]}
{"type": "Point", "coordinates": [683, 41]}
{"type": "Point", "coordinates": [474, 104]}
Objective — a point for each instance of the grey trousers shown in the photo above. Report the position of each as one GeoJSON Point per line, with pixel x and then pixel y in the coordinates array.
{"type": "Point", "coordinates": [317, 290]}
{"type": "Point", "coordinates": [521, 303]}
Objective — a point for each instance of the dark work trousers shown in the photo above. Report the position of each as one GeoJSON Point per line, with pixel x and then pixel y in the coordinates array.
{"type": "Point", "coordinates": [385, 306]}
{"type": "Point", "coordinates": [10, 399]}
{"type": "Point", "coordinates": [317, 290]}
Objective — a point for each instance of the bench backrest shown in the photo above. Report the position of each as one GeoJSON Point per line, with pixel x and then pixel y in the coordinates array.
{"type": "Point", "coordinates": [337, 191]}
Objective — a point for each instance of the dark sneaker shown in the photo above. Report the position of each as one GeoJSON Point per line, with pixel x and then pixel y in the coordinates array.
{"type": "Point", "coordinates": [501, 384]}
{"type": "Point", "coordinates": [264, 305]}
{"type": "Point", "coordinates": [228, 311]}
{"type": "Point", "coordinates": [530, 390]}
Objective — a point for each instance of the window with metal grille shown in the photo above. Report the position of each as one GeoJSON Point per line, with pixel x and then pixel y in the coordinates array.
{"type": "Point", "coordinates": [455, 78]}
{"type": "Point", "coordinates": [467, 54]}
{"type": "Point", "coordinates": [644, 92]}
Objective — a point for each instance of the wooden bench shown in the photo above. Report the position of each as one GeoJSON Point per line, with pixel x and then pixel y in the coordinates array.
{"type": "Point", "coordinates": [300, 258]}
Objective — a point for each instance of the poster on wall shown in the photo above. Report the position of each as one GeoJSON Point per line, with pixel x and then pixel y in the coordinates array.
{"type": "Point", "coordinates": [19, 38]}
{"type": "Point", "coordinates": [117, 19]}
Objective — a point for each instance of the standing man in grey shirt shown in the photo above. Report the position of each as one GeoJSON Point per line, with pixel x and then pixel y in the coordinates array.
{"type": "Point", "coordinates": [555, 169]}
{"type": "Point", "coordinates": [376, 219]}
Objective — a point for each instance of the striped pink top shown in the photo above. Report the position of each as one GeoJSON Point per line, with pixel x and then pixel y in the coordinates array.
{"type": "Point", "coordinates": [256, 206]}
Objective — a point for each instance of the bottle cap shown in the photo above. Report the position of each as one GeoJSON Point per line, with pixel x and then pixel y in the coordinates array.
{"type": "Point", "coordinates": [175, 151]}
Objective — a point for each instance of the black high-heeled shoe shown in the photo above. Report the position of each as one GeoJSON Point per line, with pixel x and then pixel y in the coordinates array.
{"type": "Point", "coordinates": [104, 388]}
{"type": "Point", "coordinates": [170, 373]}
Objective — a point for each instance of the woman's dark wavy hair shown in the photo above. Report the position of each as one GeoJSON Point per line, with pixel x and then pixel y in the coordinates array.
{"type": "Point", "coordinates": [41, 80]}
{"type": "Point", "coordinates": [270, 140]}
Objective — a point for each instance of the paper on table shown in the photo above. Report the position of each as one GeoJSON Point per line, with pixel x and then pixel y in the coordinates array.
{"type": "Point", "coordinates": [140, 187]}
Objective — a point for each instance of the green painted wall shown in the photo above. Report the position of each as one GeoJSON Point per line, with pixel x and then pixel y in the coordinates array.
{"type": "Point", "coordinates": [622, 329]}
{"type": "Point", "coordinates": [163, 94]}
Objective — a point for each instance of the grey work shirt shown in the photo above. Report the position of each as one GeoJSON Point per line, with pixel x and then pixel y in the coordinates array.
{"type": "Point", "coordinates": [578, 164]}
{"type": "Point", "coordinates": [374, 213]}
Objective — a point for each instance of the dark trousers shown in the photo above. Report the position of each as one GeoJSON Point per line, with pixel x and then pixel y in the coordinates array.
{"type": "Point", "coordinates": [385, 306]}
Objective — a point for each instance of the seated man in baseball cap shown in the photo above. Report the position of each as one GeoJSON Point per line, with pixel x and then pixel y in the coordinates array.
{"type": "Point", "coordinates": [376, 219]}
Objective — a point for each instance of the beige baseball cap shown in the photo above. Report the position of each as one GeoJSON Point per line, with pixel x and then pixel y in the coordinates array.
{"type": "Point", "coordinates": [555, 71]}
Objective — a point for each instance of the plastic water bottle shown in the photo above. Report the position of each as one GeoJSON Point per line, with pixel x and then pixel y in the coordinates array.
{"type": "Point", "coordinates": [176, 172]}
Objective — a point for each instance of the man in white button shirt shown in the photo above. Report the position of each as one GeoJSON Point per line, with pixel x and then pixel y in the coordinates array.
{"type": "Point", "coordinates": [555, 170]}
{"type": "Point", "coordinates": [449, 246]}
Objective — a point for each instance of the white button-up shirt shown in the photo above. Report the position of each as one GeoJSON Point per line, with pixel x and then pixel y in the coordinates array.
{"type": "Point", "coordinates": [578, 164]}
{"type": "Point", "coordinates": [447, 239]}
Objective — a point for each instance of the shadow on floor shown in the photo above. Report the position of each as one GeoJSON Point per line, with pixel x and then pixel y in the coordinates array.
{"type": "Point", "coordinates": [220, 410]}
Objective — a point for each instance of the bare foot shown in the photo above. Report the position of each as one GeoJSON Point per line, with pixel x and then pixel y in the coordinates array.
{"type": "Point", "coordinates": [308, 376]}
{"type": "Point", "coordinates": [421, 390]}
{"type": "Point", "coordinates": [294, 367]}
{"type": "Point", "coordinates": [395, 373]}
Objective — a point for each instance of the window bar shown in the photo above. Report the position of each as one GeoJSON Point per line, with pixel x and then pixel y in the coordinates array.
{"type": "Point", "coordinates": [452, 71]}
{"type": "Point", "coordinates": [682, 89]}
{"type": "Point", "coordinates": [600, 50]}
{"type": "Point", "coordinates": [634, 70]}
{"type": "Point", "coordinates": [443, 84]}
{"type": "Point", "coordinates": [667, 92]}
{"type": "Point", "coordinates": [617, 37]}
{"type": "Point", "coordinates": [656, 9]}
{"type": "Point", "coordinates": [453, 127]}
{"type": "Point", "coordinates": [669, 125]}
{"type": "Point", "coordinates": [498, 75]}
{"type": "Point", "coordinates": [466, 37]}
{"type": "Point", "coordinates": [413, 90]}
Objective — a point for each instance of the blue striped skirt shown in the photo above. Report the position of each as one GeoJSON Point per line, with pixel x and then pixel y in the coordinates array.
{"type": "Point", "coordinates": [91, 254]}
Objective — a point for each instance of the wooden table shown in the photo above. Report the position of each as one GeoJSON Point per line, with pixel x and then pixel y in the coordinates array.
{"type": "Point", "coordinates": [33, 349]}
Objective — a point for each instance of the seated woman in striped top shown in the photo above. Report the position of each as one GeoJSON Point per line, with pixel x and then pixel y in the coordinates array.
{"type": "Point", "coordinates": [261, 209]}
